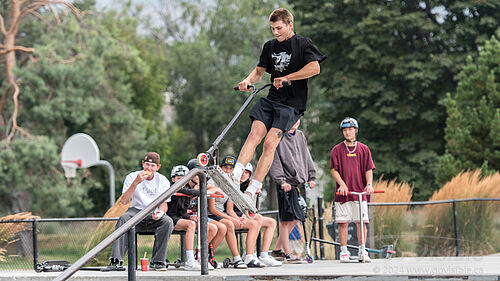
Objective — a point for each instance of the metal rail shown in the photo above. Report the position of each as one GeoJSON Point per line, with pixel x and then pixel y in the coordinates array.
{"type": "Point", "coordinates": [141, 215]}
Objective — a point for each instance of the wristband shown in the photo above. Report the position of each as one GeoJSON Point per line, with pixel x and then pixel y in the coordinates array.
{"type": "Point", "coordinates": [369, 184]}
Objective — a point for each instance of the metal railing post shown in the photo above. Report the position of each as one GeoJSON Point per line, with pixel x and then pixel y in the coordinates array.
{"type": "Point", "coordinates": [320, 227]}
{"type": "Point", "coordinates": [456, 226]}
{"type": "Point", "coordinates": [132, 263]}
{"type": "Point", "coordinates": [203, 225]}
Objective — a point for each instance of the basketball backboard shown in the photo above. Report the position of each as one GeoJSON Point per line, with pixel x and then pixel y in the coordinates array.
{"type": "Point", "coordinates": [79, 151]}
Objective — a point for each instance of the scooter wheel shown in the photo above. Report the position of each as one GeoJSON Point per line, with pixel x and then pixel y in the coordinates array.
{"type": "Point", "coordinates": [177, 263]}
{"type": "Point", "coordinates": [215, 264]}
{"type": "Point", "coordinates": [203, 159]}
{"type": "Point", "coordinates": [309, 259]}
{"type": "Point", "coordinates": [226, 262]}
{"type": "Point", "coordinates": [250, 215]}
{"type": "Point", "coordinates": [38, 267]}
{"type": "Point", "coordinates": [167, 262]}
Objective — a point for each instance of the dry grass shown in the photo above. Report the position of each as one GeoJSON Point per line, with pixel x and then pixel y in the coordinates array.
{"type": "Point", "coordinates": [104, 229]}
{"type": "Point", "coordinates": [475, 219]}
{"type": "Point", "coordinates": [389, 221]}
{"type": "Point", "coordinates": [8, 231]}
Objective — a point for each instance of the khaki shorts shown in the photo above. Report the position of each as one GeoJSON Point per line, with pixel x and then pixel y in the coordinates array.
{"type": "Point", "coordinates": [349, 211]}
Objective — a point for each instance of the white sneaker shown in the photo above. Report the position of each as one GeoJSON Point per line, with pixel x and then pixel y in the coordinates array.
{"type": "Point", "coordinates": [193, 265]}
{"type": "Point", "coordinates": [253, 261]}
{"type": "Point", "coordinates": [345, 257]}
{"type": "Point", "coordinates": [366, 256]}
{"type": "Point", "coordinates": [270, 261]}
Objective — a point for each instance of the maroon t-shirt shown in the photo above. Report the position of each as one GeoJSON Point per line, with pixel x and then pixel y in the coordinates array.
{"type": "Point", "coordinates": [352, 168]}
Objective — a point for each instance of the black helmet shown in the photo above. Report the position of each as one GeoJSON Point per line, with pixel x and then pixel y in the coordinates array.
{"type": "Point", "coordinates": [349, 122]}
{"type": "Point", "coordinates": [193, 163]}
{"type": "Point", "coordinates": [228, 161]}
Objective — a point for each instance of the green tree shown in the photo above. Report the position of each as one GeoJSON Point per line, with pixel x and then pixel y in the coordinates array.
{"type": "Point", "coordinates": [473, 125]}
{"type": "Point", "coordinates": [206, 65]}
{"type": "Point", "coordinates": [79, 80]}
{"type": "Point", "coordinates": [389, 65]}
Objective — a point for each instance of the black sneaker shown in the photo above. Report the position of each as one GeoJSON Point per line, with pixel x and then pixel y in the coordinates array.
{"type": "Point", "coordinates": [291, 258]}
{"type": "Point", "coordinates": [278, 255]}
{"type": "Point", "coordinates": [115, 265]}
{"type": "Point", "coordinates": [158, 266]}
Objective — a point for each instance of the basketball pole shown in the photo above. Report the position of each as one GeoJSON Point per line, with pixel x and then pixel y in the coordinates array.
{"type": "Point", "coordinates": [111, 180]}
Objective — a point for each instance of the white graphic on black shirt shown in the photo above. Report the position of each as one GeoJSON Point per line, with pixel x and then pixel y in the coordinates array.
{"type": "Point", "coordinates": [281, 61]}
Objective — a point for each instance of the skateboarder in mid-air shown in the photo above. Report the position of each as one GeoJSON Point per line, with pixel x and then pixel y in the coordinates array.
{"type": "Point", "coordinates": [288, 58]}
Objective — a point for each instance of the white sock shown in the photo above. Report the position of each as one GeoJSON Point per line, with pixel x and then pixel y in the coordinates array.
{"type": "Point", "coordinates": [254, 185]}
{"type": "Point", "coordinates": [343, 249]}
{"type": "Point", "coordinates": [238, 170]}
{"type": "Point", "coordinates": [190, 255]}
{"type": "Point", "coordinates": [264, 255]}
{"type": "Point", "coordinates": [236, 258]}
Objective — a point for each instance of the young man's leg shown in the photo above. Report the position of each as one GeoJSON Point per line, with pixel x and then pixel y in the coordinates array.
{"type": "Point", "coordinates": [271, 141]}
{"type": "Point", "coordinates": [257, 133]}
{"type": "Point", "coordinates": [221, 233]}
{"type": "Point", "coordinates": [253, 227]}
{"type": "Point", "coordinates": [232, 243]}
{"type": "Point", "coordinates": [270, 225]}
{"type": "Point", "coordinates": [189, 226]}
{"type": "Point", "coordinates": [163, 229]}
{"type": "Point", "coordinates": [120, 245]}
{"type": "Point", "coordinates": [283, 242]}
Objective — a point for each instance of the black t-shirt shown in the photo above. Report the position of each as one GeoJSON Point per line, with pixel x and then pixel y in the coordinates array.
{"type": "Point", "coordinates": [282, 58]}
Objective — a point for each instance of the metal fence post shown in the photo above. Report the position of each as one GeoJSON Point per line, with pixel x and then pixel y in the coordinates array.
{"type": "Point", "coordinates": [456, 226]}
{"type": "Point", "coordinates": [320, 227]}
{"type": "Point", "coordinates": [132, 263]}
{"type": "Point", "coordinates": [313, 233]}
{"type": "Point", "coordinates": [35, 244]}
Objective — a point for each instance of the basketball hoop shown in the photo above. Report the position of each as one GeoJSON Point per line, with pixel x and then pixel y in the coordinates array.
{"type": "Point", "coordinates": [81, 151]}
{"type": "Point", "coordinates": [70, 166]}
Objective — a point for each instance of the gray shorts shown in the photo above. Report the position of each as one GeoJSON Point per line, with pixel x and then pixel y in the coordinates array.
{"type": "Point", "coordinates": [274, 114]}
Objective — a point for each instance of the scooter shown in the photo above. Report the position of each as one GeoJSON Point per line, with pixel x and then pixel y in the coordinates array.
{"type": "Point", "coordinates": [386, 251]}
{"type": "Point", "coordinates": [215, 172]}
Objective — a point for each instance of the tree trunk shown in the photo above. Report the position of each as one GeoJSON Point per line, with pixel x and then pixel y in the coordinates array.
{"type": "Point", "coordinates": [21, 203]}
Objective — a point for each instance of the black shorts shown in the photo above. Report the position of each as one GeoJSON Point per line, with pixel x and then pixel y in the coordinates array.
{"type": "Point", "coordinates": [288, 205]}
{"type": "Point", "coordinates": [274, 114]}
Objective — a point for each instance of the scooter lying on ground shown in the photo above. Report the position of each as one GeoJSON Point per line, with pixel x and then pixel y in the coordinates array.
{"type": "Point", "coordinates": [62, 265]}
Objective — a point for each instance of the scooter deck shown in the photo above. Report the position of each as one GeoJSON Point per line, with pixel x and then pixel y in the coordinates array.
{"type": "Point", "coordinates": [229, 187]}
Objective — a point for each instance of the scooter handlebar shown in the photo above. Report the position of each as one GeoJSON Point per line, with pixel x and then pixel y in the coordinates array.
{"type": "Point", "coordinates": [356, 193]}
{"type": "Point", "coordinates": [285, 83]}
{"type": "Point", "coordinates": [237, 88]}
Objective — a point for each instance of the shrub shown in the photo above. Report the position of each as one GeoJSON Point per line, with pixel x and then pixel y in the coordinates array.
{"type": "Point", "coordinates": [474, 220]}
{"type": "Point", "coordinates": [390, 221]}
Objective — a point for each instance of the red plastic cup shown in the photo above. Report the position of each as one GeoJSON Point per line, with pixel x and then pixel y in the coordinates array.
{"type": "Point", "coordinates": [144, 264]}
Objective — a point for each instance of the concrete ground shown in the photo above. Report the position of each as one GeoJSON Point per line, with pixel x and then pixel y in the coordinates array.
{"type": "Point", "coordinates": [428, 268]}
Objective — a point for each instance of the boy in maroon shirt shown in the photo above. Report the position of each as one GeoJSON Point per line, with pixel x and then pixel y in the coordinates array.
{"type": "Point", "coordinates": [351, 166]}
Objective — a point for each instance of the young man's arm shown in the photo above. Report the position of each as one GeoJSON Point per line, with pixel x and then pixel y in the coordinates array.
{"type": "Point", "coordinates": [369, 182]}
{"type": "Point", "coordinates": [343, 187]}
{"type": "Point", "coordinates": [309, 70]}
{"type": "Point", "coordinates": [252, 78]}
{"type": "Point", "coordinates": [127, 195]}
